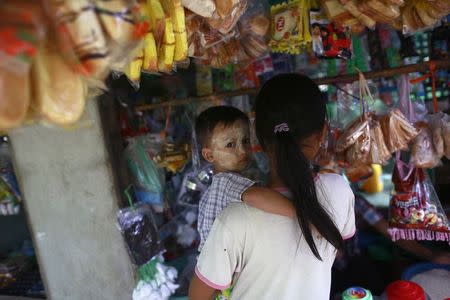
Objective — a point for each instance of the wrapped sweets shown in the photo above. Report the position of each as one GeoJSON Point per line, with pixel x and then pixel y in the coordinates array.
{"type": "Point", "coordinates": [415, 212]}
{"type": "Point", "coordinates": [397, 130]}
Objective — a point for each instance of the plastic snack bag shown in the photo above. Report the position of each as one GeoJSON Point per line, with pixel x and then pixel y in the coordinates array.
{"type": "Point", "coordinates": [436, 126]}
{"type": "Point", "coordinates": [59, 92]}
{"type": "Point", "coordinates": [227, 14]}
{"type": "Point", "coordinates": [139, 231]}
{"type": "Point", "coordinates": [424, 154]}
{"type": "Point", "coordinates": [398, 131]}
{"type": "Point", "coordinates": [80, 36]}
{"type": "Point", "coordinates": [415, 210]}
{"type": "Point", "coordinates": [446, 135]}
{"type": "Point", "coordinates": [290, 26]}
{"type": "Point", "coordinates": [204, 8]}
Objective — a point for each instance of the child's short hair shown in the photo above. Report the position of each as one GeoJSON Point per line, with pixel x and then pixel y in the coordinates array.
{"type": "Point", "coordinates": [213, 116]}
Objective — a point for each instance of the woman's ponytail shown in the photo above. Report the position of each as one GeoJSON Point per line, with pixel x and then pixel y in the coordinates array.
{"type": "Point", "coordinates": [295, 171]}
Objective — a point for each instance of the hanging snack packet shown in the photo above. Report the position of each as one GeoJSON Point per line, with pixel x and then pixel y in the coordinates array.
{"type": "Point", "coordinates": [356, 141]}
{"type": "Point", "coordinates": [397, 130]}
{"type": "Point", "coordinates": [286, 35]}
{"type": "Point", "coordinates": [423, 154]}
{"type": "Point", "coordinates": [204, 8]}
{"type": "Point", "coordinates": [415, 210]}
{"type": "Point", "coordinates": [227, 14]}
{"type": "Point", "coordinates": [436, 122]}
{"type": "Point", "coordinates": [123, 27]}
{"type": "Point", "coordinates": [59, 92]}
{"type": "Point", "coordinates": [139, 232]}
{"type": "Point", "coordinates": [80, 36]}
{"type": "Point", "coordinates": [446, 134]}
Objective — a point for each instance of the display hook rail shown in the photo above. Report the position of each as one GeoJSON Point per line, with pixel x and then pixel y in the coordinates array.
{"type": "Point", "coordinates": [420, 67]}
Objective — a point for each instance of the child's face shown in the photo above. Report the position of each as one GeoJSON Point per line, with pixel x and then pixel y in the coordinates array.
{"type": "Point", "coordinates": [229, 147]}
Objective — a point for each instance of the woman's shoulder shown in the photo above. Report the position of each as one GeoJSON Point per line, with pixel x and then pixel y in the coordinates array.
{"type": "Point", "coordinates": [333, 189]}
{"type": "Point", "coordinates": [335, 182]}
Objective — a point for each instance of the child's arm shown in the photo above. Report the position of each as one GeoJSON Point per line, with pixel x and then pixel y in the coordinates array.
{"type": "Point", "coordinates": [269, 201]}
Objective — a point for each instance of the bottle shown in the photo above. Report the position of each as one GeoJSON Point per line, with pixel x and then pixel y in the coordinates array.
{"type": "Point", "coordinates": [357, 293]}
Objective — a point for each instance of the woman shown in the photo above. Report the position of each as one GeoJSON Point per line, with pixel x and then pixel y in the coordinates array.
{"type": "Point", "coordinates": [269, 256]}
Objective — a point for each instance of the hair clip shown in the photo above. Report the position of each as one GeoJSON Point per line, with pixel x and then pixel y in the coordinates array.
{"type": "Point", "coordinates": [283, 127]}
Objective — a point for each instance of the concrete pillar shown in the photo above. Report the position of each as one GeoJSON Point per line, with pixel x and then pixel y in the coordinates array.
{"type": "Point", "coordinates": [71, 204]}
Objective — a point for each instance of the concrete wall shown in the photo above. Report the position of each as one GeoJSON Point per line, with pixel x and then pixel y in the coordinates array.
{"type": "Point", "coordinates": [71, 203]}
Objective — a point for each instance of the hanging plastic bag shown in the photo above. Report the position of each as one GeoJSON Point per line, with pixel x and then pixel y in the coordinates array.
{"type": "Point", "coordinates": [227, 14]}
{"type": "Point", "coordinates": [139, 231]}
{"type": "Point", "coordinates": [80, 36]}
{"type": "Point", "coordinates": [146, 174]}
{"type": "Point", "coordinates": [446, 134]}
{"type": "Point", "coordinates": [415, 210]}
{"type": "Point", "coordinates": [397, 130]}
{"type": "Point", "coordinates": [436, 122]}
{"type": "Point", "coordinates": [363, 141]}
{"type": "Point", "coordinates": [424, 154]}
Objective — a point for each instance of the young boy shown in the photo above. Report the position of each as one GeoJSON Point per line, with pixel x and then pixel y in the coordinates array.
{"type": "Point", "coordinates": [223, 133]}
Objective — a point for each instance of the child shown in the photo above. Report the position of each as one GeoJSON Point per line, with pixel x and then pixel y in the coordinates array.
{"type": "Point", "coordinates": [223, 133]}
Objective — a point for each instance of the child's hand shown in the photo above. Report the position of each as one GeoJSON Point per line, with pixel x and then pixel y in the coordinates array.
{"type": "Point", "coordinates": [269, 201]}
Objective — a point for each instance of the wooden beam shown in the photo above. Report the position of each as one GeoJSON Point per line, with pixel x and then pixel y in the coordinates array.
{"type": "Point", "coordinates": [420, 67]}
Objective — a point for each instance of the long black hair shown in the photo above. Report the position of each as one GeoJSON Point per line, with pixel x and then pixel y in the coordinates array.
{"type": "Point", "coordinates": [290, 108]}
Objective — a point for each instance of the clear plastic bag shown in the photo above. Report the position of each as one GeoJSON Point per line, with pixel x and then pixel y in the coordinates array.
{"type": "Point", "coordinates": [423, 154]}
{"type": "Point", "coordinates": [227, 14]}
{"type": "Point", "coordinates": [59, 92]}
{"type": "Point", "coordinates": [139, 232]}
{"type": "Point", "coordinates": [436, 122]}
{"type": "Point", "coordinates": [144, 170]}
{"type": "Point", "coordinates": [415, 211]}
{"type": "Point", "coordinates": [397, 130]}
{"type": "Point", "coordinates": [446, 134]}
{"type": "Point", "coordinates": [81, 39]}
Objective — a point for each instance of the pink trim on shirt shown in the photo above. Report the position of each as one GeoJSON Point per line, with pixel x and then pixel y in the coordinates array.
{"type": "Point", "coordinates": [349, 236]}
{"type": "Point", "coordinates": [209, 283]}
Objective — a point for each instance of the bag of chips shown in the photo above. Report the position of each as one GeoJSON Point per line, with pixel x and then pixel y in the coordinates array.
{"type": "Point", "coordinates": [415, 211]}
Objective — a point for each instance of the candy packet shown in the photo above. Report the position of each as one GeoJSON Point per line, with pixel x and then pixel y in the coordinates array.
{"type": "Point", "coordinates": [287, 25]}
{"type": "Point", "coordinates": [415, 212]}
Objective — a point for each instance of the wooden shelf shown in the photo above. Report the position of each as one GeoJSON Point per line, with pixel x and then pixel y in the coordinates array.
{"type": "Point", "coordinates": [420, 67]}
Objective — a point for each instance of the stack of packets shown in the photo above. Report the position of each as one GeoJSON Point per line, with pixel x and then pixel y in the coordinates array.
{"type": "Point", "coordinates": [408, 16]}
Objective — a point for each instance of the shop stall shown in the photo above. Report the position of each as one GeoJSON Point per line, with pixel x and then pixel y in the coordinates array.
{"type": "Point", "coordinates": [100, 100]}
